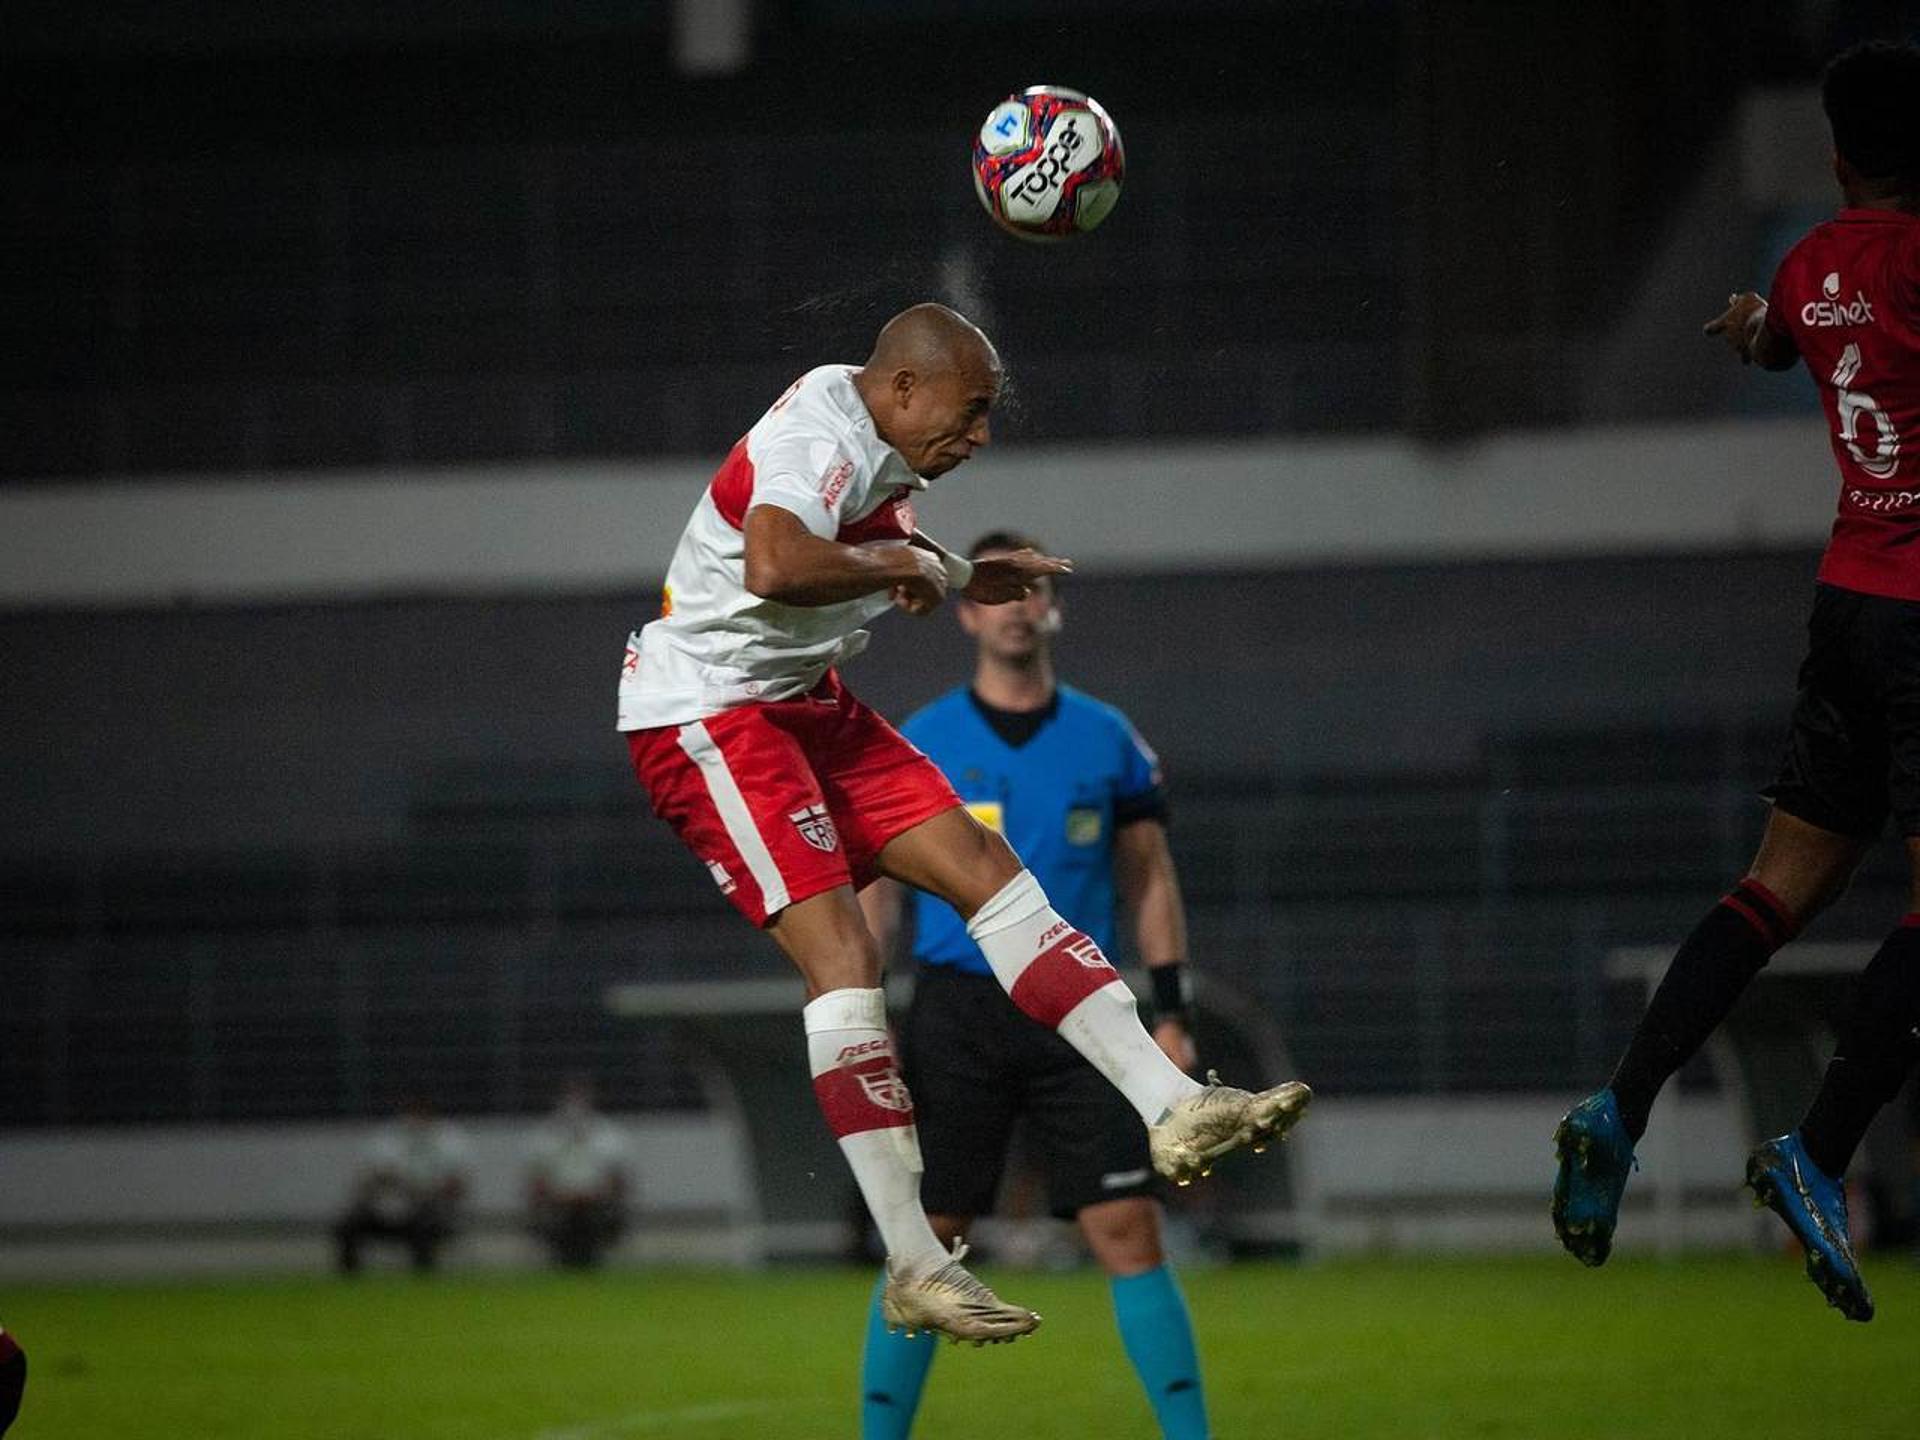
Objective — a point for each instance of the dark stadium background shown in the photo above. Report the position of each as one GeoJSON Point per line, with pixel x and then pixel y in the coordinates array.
{"type": "Point", "coordinates": [286, 858]}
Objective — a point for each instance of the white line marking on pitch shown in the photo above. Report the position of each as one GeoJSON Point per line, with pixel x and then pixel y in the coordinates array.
{"type": "Point", "coordinates": [647, 1420]}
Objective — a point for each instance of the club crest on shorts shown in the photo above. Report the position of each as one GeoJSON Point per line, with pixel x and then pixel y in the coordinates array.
{"type": "Point", "coordinates": [888, 1089]}
{"type": "Point", "coordinates": [816, 827]}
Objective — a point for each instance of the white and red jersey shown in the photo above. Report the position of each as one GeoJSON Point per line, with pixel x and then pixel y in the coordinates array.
{"type": "Point", "coordinates": [1848, 297]}
{"type": "Point", "coordinates": [717, 644]}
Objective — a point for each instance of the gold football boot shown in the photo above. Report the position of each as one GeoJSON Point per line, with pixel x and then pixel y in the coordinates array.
{"type": "Point", "coordinates": [948, 1299]}
{"type": "Point", "coordinates": [1203, 1127]}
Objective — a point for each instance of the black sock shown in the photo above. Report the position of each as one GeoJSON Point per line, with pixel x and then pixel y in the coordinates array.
{"type": "Point", "coordinates": [1724, 952]}
{"type": "Point", "coordinates": [13, 1379]}
{"type": "Point", "coordinates": [1876, 1048]}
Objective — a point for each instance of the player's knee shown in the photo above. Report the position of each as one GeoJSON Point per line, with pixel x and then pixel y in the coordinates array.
{"type": "Point", "coordinates": [1806, 865]}
{"type": "Point", "coordinates": [1124, 1235]}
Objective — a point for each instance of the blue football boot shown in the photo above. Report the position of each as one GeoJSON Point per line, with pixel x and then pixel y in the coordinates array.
{"type": "Point", "coordinates": [1595, 1158]}
{"type": "Point", "coordinates": [1814, 1206]}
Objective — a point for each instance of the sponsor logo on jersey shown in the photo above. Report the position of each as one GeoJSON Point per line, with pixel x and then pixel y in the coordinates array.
{"type": "Point", "coordinates": [1832, 312]}
{"type": "Point", "coordinates": [720, 877]}
{"type": "Point", "coordinates": [834, 484]}
{"type": "Point", "coordinates": [1054, 932]}
{"type": "Point", "coordinates": [888, 1089]}
{"type": "Point", "coordinates": [865, 1047]}
{"type": "Point", "coordinates": [1883, 502]}
{"type": "Point", "coordinates": [816, 827]}
{"type": "Point", "coordinates": [631, 662]}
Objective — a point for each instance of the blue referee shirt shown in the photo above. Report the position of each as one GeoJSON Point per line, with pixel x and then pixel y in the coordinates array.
{"type": "Point", "coordinates": [1056, 784]}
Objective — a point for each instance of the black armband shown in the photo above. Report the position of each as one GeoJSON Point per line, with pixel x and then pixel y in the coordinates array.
{"type": "Point", "coordinates": [1172, 992]}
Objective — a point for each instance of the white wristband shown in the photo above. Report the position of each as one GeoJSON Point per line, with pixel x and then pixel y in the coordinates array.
{"type": "Point", "coordinates": [959, 571]}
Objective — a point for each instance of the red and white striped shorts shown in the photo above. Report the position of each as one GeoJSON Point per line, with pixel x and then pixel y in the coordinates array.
{"type": "Point", "coordinates": [783, 800]}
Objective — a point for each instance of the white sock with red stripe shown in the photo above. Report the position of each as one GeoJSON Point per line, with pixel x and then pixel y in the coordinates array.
{"type": "Point", "coordinates": [856, 1079]}
{"type": "Point", "coordinates": [1057, 975]}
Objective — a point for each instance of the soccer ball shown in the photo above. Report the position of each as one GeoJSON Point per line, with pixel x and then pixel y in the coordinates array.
{"type": "Point", "coordinates": [1048, 163]}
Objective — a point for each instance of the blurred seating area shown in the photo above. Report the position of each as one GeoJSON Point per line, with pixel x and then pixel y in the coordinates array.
{"type": "Point", "coordinates": [287, 245]}
{"type": "Point", "coordinates": [1435, 934]}
{"type": "Point", "coordinates": [518, 250]}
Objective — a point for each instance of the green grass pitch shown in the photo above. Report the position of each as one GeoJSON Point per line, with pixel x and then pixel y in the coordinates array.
{"type": "Point", "coordinates": [1528, 1348]}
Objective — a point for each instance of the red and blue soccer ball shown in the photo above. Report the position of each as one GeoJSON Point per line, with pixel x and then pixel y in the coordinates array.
{"type": "Point", "coordinates": [1048, 163]}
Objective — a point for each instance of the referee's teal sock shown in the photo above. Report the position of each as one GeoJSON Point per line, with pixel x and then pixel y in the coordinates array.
{"type": "Point", "coordinates": [892, 1373]}
{"type": "Point", "coordinates": [1154, 1327]}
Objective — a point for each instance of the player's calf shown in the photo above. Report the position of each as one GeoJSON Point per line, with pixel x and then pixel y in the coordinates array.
{"type": "Point", "coordinates": [1058, 976]}
{"type": "Point", "coordinates": [856, 1078]}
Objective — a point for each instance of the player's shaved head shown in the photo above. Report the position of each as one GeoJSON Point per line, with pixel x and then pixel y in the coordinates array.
{"type": "Point", "coordinates": [930, 338]}
{"type": "Point", "coordinates": [929, 383]}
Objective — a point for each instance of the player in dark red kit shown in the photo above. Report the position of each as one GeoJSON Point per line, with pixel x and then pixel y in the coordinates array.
{"type": "Point", "coordinates": [1847, 301]}
{"type": "Point", "coordinates": [13, 1379]}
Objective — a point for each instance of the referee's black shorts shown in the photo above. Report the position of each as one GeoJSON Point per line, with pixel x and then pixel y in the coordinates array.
{"type": "Point", "coordinates": [976, 1067]}
{"type": "Point", "coordinates": [1854, 753]}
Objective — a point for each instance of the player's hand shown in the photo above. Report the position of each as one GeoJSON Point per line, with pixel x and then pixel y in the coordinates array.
{"type": "Point", "coordinates": [1174, 1041]}
{"type": "Point", "coordinates": [1739, 324]}
{"type": "Point", "coordinates": [924, 589]}
{"type": "Point", "coordinates": [1001, 579]}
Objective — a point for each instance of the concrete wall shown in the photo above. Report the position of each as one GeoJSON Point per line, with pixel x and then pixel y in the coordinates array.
{"type": "Point", "coordinates": [1134, 509]}
{"type": "Point", "coordinates": [173, 1199]}
{"type": "Point", "coordinates": [194, 1199]}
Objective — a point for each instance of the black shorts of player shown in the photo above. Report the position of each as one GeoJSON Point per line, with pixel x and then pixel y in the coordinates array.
{"type": "Point", "coordinates": [1854, 753]}
{"type": "Point", "coordinates": [977, 1067]}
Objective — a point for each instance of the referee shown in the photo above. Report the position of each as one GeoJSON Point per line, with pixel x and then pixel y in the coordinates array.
{"type": "Point", "coordinates": [1077, 793]}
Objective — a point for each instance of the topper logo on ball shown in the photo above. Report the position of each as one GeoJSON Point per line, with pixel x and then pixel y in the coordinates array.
{"type": "Point", "coordinates": [1050, 171]}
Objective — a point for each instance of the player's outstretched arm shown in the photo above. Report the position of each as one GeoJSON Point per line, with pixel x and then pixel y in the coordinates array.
{"type": "Point", "coordinates": [788, 563]}
{"type": "Point", "coordinates": [1743, 325]}
{"type": "Point", "coordinates": [999, 579]}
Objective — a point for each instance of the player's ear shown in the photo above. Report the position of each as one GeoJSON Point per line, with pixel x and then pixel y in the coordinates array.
{"type": "Point", "coordinates": [968, 616]}
{"type": "Point", "coordinates": [904, 381]}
